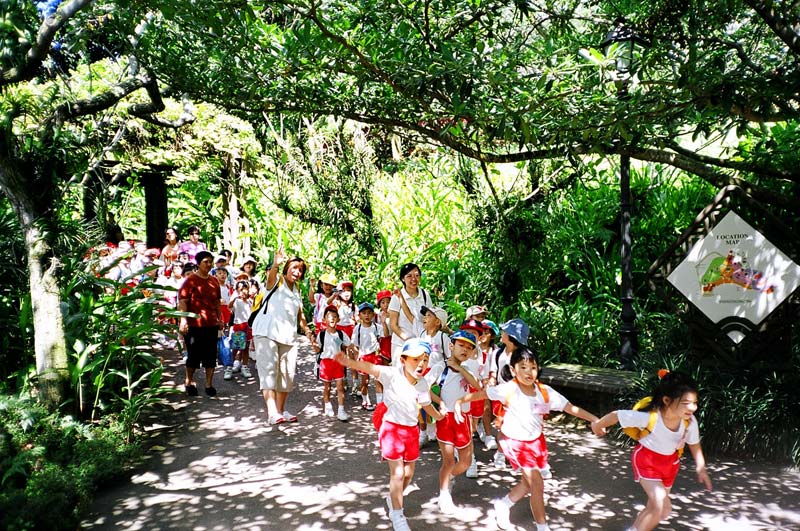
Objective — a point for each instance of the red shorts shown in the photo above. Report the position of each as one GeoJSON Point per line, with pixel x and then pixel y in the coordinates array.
{"type": "Point", "coordinates": [373, 358]}
{"type": "Point", "coordinates": [347, 329]}
{"type": "Point", "coordinates": [386, 347]}
{"type": "Point", "coordinates": [476, 406]}
{"type": "Point", "coordinates": [330, 370]}
{"type": "Point", "coordinates": [398, 442]}
{"type": "Point", "coordinates": [525, 454]}
{"type": "Point", "coordinates": [449, 431]}
{"type": "Point", "coordinates": [648, 464]}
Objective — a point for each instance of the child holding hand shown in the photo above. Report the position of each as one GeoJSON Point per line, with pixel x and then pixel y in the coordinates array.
{"type": "Point", "coordinates": [656, 459]}
{"type": "Point", "coordinates": [525, 401]}
{"type": "Point", "coordinates": [404, 390]}
{"type": "Point", "coordinates": [455, 381]}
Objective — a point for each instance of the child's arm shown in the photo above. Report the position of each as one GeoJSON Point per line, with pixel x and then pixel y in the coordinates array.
{"type": "Point", "coordinates": [468, 376]}
{"type": "Point", "coordinates": [469, 397]}
{"type": "Point", "coordinates": [358, 365]}
{"type": "Point", "coordinates": [700, 465]}
{"type": "Point", "coordinates": [430, 410]}
{"type": "Point", "coordinates": [580, 413]}
{"type": "Point", "coordinates": [312, 295]}
{"type": "Point", "coordinates": [599, 426]}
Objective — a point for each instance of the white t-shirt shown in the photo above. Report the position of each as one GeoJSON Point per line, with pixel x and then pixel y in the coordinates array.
{"type": "Point", "coordinates": [280, 322]}
{"type": "Point", "coordinates": [241, 310]}
{"type": "Point", "coordinates": [409, 328]}
{"type": "Point", "coordinates": [332, 344]}
{"type": "Point", "coordinates": [345, 313]}
{"type": "Point", "coordinates": [320, 303]}
{"type": "Point", "coordinates": [366, 338]}
{"type": "Point", "coordinates": [401, 396]}
{"type": "Point", "coordinates": [455, 385]}
{"type": "Point", "coordinates": [524, 414]}
{"type": "Point", "coordinates": [440, 347]}
{"type": "Point", "coordinates": [661, 440]}
{"type": "Point", "coordinates": [498, 362]}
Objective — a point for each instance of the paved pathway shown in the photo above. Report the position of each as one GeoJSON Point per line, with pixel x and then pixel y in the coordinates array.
{"type": "Point", "coordinates": [214, 464]}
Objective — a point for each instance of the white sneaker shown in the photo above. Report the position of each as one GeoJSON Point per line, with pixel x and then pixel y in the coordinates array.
{"type": "Point", "coordinates": [490, 443]}
{"type": "Point", "coordinates": [423, 438]}
{"type": "Point", "coordinates": [328, 411]}
{"type": "Point", "coordinates": [399, 522]}
{"type": "Point", "coordinates": [237, 366]}
{"type": "Point", "coordinates": [228, 374]}
{"type": "Point", "coordinates": [446, 504]}
{"type": "Point", "coordinates": [546, 472]}
{"type": "Point", "coordinates": [246, 372]}
{"type": "Point", "coordinates": [502, 514]}
{"type": "Point", "coordinates": [499, 460]}
{"type": "Point", "coordinates": [342, 415]}
{"type": "Point", "coordinates": [472, 471]}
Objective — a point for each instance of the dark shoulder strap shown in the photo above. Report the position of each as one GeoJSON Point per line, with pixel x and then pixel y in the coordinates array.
{"type": "Point", "coordinates": [321, 340]}
{"type": "Point", "coordinates": [269, 295]}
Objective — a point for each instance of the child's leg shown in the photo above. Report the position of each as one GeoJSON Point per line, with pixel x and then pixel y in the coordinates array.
{"type": "Point", "coordinates": [326, 392]}
{"type": "Point", "coordinates": [448, 464]}
{"type": "Point", "coordinates": [408, 473]}
{"type": "Point", "coordinates": [365, 385]}
{"type": "Point", "coordinates": [464, 460]}
{"type": "Point", "coordinates": [396, 483]}
{"type": "Point", "coordinates": [246, 354]}
{"type": "Point", "coordinates": [658, 505]}
{"type": "Point", "coordinates": [535, 485]}
{"type": "Point", "coordinates": [340, 392]}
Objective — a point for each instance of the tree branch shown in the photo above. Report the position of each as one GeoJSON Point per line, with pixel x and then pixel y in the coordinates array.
{"type": "Point", "coordinates": [752, 167]}
{"type": "Point", "coordinates": [44, 40]}
{"type": "Point", "coordinates": [781, 28]}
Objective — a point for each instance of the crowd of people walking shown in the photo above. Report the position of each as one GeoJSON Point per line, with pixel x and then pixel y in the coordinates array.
{"type": "Point", "coordinates": [422, 380]}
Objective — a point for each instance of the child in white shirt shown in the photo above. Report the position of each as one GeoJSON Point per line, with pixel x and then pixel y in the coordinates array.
{"type": "Point", "coordinates": [329, 342]}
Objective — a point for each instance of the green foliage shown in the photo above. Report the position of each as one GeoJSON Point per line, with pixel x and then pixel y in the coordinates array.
{"type": "Point", "coordinates": [15, 310]}
{"type": "Point", "coordinates": [51, 465]}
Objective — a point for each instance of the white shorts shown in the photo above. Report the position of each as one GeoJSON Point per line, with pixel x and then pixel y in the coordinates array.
{"type": "Point", "coordinates": [276, 364]}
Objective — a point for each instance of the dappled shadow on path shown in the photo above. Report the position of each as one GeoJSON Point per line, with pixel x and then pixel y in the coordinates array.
{"type": "Point", "coordinates": [215, 464]}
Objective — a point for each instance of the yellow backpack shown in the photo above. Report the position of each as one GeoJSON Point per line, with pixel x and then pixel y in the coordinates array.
{"type": "Point", "coordinates": [636, 433]}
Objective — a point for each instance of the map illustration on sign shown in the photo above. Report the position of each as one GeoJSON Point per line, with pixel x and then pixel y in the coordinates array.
{"type": "Point", "coordinates": [733, 269]}
{"type": "Point", "coordinates": [735, 275]}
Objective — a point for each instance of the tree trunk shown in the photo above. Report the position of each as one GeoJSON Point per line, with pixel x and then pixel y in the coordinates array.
{"type": "Point", "coordinates": [49, 337]}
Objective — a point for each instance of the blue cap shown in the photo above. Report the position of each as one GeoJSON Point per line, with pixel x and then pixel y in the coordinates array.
{"type": "Point", "coordinates": [493, 326]}
{"type": "Point", "coordinates": [364, 306]}
{"type": "Point", "coordinates": [463, 335]}
{"type": "Point", "coordinates": [415, 347]}
{"type": "Point", "coordinates": [516, 329]}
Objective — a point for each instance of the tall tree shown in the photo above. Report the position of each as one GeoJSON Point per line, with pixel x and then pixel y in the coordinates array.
{"type": "Point", "coordinates": [51, 124]}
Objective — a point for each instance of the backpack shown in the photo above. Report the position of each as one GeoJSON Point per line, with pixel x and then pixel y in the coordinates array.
{"type": "Point", "coordinates": [260, 303]}
{"type": "Point", "coordinates": [322, 346]}
{"type": "Point", "coordinates": [500, 408]}
{"type": "Point", "coordinates": [637, 433]}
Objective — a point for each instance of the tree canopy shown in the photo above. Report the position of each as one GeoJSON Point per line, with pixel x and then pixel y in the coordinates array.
{"type": "Point", "coordinates": [503, 81]}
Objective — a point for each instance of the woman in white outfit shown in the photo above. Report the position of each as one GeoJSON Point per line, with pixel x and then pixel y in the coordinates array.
{"type": "Point", "coordinates": [275, 335]}
{"type": "Point", "coordinates": [405, 317]}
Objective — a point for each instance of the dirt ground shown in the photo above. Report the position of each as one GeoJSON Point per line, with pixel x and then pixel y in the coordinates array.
{"type": "Point", "coordinates": [215, 464]}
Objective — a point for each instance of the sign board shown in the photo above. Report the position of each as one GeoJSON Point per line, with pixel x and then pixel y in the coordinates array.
{"type": "Point", "coordinates": [734, 272]}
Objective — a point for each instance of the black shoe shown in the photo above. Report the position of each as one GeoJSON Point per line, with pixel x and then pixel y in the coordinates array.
{"type": "Point", "coordinates": [191, 390]}
{"type": "Point", "coordinates": [210, 391]}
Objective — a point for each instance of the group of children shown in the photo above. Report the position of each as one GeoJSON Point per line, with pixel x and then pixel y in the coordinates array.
{"type": "Point", "coordinates": [446, 386]}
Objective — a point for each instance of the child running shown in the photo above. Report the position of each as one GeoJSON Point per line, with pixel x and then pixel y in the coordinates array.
{"type": "Point", "coordinates": [454, 383]}
{"type": "Point", "coordinates": [656, 459]}
{"type": "Point", "coordinates": [526, 401]}
{"type": "Point", "coordinates": [330, 342]}
{"type": "Point", "coordinates": [405, 390]}
{"type": "Point", "coordinates": [366, 336]}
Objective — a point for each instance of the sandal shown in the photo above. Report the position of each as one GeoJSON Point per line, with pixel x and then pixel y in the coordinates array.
{"type": "Point", "coordinates": [289, 417]}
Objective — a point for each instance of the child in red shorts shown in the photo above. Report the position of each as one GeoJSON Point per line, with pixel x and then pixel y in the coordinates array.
{"type": "Point", "coordinates": [366, 337]}
{"type": "Point", "coordinates": [656, 459]}
{"type": "Point", "coordinates": [525, 401]}
{"type": "Point", "coordinates": [329, 342]}
{"type": "Point", "coordinates": [457, 378]}
{"type": "Point", "coordinates": [405, 390]}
